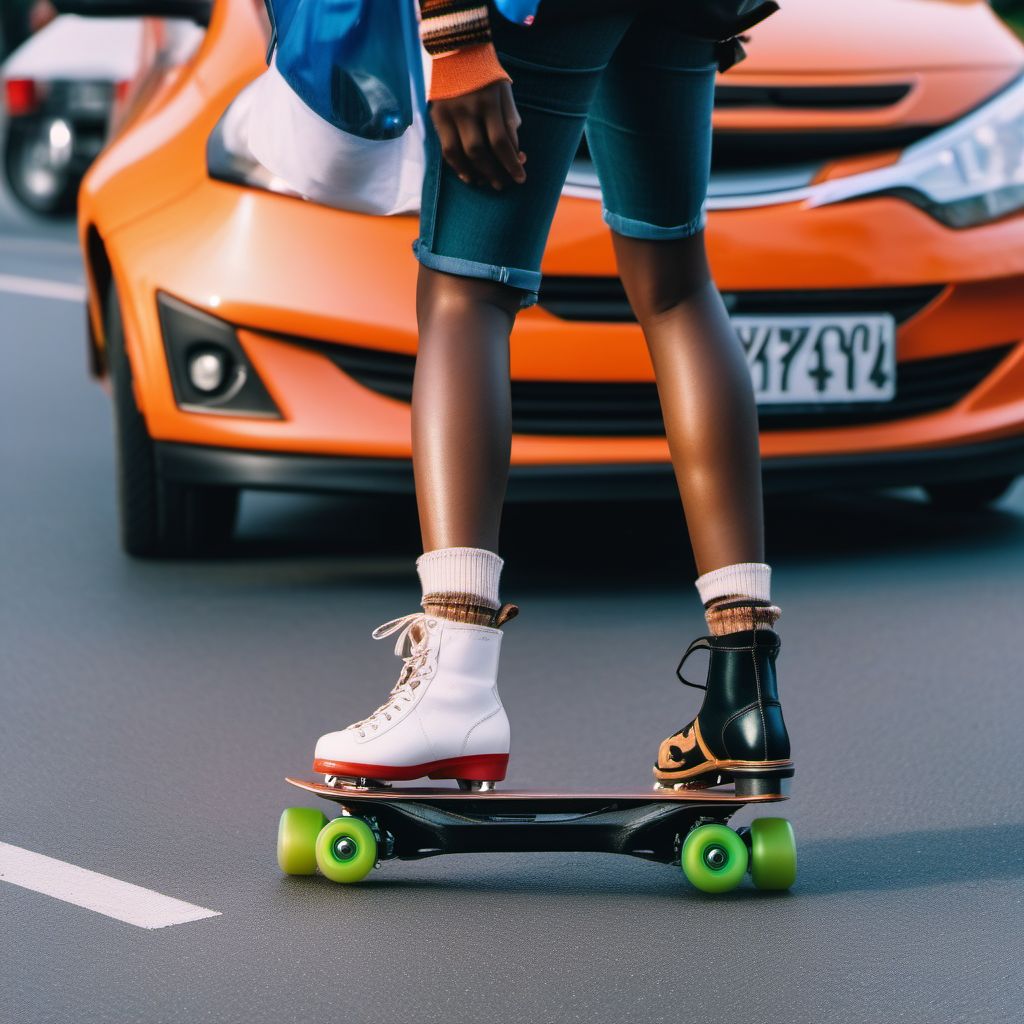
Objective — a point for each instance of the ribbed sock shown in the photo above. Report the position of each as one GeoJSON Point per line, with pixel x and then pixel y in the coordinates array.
{"type": "Point", "coordinates": [461, 584]}
{"type": "Point", "coordinates": [738, 597]}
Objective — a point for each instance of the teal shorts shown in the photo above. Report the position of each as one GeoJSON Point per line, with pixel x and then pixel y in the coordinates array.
{"type": "Point", "coordinates": [627, 74]}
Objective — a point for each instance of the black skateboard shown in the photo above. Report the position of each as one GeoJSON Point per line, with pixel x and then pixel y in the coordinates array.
{"type": "Point", "coordinates": [685, 827]}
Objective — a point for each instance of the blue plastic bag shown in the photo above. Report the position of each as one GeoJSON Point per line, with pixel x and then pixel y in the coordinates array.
{"type": "Point", "coordinates": [522, 12]}
{"type": "Point", "coordinates": [350, 61]}
{"type": "Point", "coordinates": [339, 115]}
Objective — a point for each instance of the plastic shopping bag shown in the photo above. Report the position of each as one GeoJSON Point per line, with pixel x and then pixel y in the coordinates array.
{"type": "Point", "coordinates": [339, 113]}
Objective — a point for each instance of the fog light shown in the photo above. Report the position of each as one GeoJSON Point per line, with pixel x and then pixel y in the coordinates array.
{"type": "Point", "coordinates": [208, 370]}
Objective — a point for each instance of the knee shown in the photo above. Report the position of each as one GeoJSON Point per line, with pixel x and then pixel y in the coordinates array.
{"type": "Point", "coordinates": [451, 298]}
{"type": "Point", "coordinates": [651, 303]}
{"type": "Point", "coordinates": [659, 276]}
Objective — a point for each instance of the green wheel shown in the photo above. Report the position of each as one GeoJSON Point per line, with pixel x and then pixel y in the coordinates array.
{"type": "Point", "coordinates": [296, 839]}
{"type": "Point", "coordinates": [714, 858]}
{"type": "Point", "coordinates": [772, 853]}
{"type": "Point", "coordinates": [346, 850]}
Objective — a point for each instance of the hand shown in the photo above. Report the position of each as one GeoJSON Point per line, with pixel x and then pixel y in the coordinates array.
{"type": "Point", "coordinates": [479, 134]}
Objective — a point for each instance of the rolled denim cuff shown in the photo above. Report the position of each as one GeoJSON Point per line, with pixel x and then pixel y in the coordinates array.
{"type": "Point", "coordinates": [631, 228]}
{"type": "Point", "coordinates": [517, 277]}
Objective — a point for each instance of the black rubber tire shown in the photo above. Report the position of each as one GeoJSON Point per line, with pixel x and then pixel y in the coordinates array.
{"type": "Point", "coordinates": [158, 518]}
{"type": "Point", "coordinates": [59, 203]}
{"type": "Point", "coordinates": [969, 495]}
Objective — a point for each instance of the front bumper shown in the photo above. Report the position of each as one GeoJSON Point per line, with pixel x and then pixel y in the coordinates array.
{"type": "Point", "coordinates": [277, 471]}
{"type": "Point", "coordinates": [356, 287]}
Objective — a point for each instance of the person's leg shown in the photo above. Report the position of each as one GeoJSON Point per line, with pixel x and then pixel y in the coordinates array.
{"type": "Point", "coordinates": [707, 400]}
{"type": "Point", "coordinates": [480, 254]}
{"type": "Point", "coordinates": [649, 132]}
{"type": "Point", "coordinates": [706, 394]}
{"type": "Point", "coordinates": [461, 411]}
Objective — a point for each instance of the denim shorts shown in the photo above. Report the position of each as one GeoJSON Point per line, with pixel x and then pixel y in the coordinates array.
{"type": "Point", "coordinates": [625, 72]}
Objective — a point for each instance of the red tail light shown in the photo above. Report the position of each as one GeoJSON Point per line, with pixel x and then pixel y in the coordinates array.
{"type": "Point", "coordinates": [22, 96]}
{"type": "Point", "coordinates": [121, 90]}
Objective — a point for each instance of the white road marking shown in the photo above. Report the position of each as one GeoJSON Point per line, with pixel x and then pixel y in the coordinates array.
{"type": "Point", "coordinates": [84, 888]}
{"type": "Point", "coordinates": [43, 288]}
{"type": "Point", "coordinates": [20, 243]}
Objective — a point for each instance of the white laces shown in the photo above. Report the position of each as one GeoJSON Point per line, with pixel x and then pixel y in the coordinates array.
{"type": "Point", "coordinates": [414, 653]}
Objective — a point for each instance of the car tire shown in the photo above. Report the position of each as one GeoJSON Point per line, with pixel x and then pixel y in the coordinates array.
{"type": "Point", "coordinates": [19, 153]}
{"type": "Point", "coordinates": [158, 518]}
{"type": "Point", "coordinates": [969, 495]}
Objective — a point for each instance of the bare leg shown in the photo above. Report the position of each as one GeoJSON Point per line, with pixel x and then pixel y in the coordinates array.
{"type": "Point", "coordinates": [706, 394]}
{"type": "Point", "coordinates": [461, 408]}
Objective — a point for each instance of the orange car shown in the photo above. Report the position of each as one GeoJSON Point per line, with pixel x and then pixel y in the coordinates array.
{"type": "Point", "coordinates": [866, 229]}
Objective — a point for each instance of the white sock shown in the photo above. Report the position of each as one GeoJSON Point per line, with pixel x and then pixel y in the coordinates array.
{"type": "Point", "coordinates": [744, 579]}
{"type": "Point", "coordinates": [472, 571]}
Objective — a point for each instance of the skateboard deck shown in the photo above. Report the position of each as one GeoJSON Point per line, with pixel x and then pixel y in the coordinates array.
{"type": "Point", "coordinates": [670, 826]}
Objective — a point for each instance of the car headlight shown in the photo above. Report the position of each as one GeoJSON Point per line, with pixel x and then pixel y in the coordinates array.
{"type": "Point", "coordinates": [227, 150]}
{"type": "Point", "coordinates": [967, 174]}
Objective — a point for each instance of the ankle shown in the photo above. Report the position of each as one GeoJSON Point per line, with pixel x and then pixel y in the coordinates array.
{"type": "Point", "coordinates": [737, 598]}
{"type": "Point", "coordinates": [456, 607]}
{"type": "Point", "coordinates": [736, 613]}
{"type": "Point", "coordinates": [461, 585]}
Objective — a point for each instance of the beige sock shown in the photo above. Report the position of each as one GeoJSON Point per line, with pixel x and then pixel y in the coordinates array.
{"type": "Point", "coordinates": [457, 607]}
{"type": "Point", "coordinates": [734, 612]}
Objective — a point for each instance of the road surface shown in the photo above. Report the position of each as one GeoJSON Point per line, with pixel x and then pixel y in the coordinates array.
{"type": "Point", "coordinates": [149, 712]}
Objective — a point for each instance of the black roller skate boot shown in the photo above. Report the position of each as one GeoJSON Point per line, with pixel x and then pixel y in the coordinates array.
{"type": "Point", "coordinates": [739, 735]}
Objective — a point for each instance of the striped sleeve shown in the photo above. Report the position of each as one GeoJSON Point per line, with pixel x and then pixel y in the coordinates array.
{"type": "Point", "coordinates": [447, 25]}
{"type": "Point", "coordinates": [457, 35]}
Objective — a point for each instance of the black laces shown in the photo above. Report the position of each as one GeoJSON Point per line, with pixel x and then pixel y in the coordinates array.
{"type": "Point", "coordinates": [702, 643]}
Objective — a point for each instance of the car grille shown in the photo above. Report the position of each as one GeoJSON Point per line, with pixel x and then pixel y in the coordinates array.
{"type": "Point", "coordinates": [751, 162]}
{"type": "Point", "coordinates": [603, 299]}
{"type": "Point", "coordinates": [751, 150]}
{"type": "Point", "coordinates": [744, 149]}
{"type": "Point", "coordinates": [810, 97]}
{"type": "Point", "coordinates": [922, 386]}
{"type": "Point", "coordinates": [614, 409]}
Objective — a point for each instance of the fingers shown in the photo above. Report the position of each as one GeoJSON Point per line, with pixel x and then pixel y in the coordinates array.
{"type": "Point", "coordinates": [451, 144]}
{"type": "Point", "coordinates": [479, 135]}
{"type": "Point", "coordinates": [510, 114]}
{"type": "Point", "coordinates": [503, 133]}
{"type": "Point", "coordinates": [477, 146]}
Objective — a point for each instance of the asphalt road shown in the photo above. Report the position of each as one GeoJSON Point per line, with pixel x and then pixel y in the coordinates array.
{"type": "Point", "coordinates": [149, 712]}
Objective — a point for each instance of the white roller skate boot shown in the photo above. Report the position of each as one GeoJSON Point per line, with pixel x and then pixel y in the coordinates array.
{"type": "Point", "coordinates": [443, 719]}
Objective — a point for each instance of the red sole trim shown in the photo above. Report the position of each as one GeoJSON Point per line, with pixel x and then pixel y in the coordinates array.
{"type": "Point", "coordinates": [474, 767]}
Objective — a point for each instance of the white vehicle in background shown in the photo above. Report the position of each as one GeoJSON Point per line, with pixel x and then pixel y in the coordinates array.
{"type": "Point", "coordinates": [62, 88]}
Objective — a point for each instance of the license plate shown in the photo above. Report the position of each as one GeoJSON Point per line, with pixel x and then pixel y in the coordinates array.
{"type": "Point", "coordinates": [815, 359]}
{"type": "Point", "coordinates": [89, 98]}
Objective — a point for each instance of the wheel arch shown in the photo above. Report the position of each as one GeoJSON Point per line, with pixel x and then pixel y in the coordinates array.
{"type": "Point", "coordinates": [100, 278]}
{"type": "Point", "coordinates": [102, 287]}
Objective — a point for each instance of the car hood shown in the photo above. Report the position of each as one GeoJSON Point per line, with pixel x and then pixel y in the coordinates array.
{"type": "Point", "coordinates": [851, 36]}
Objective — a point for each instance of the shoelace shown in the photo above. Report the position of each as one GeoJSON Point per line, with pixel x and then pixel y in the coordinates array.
{"type": "Point", "coordinates": [414, 657]}
{"type": "Point", "coordinates": [702, 643]}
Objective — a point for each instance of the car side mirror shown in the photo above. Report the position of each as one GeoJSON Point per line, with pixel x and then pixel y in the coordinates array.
{"type": "Point", "coordinates": [194, 10]}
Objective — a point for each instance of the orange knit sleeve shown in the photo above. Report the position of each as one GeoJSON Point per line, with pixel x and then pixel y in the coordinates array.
{"type": "Point", "coordinates": [457, 35]}
{"type": "Point", "coordinates": [466, 70]}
